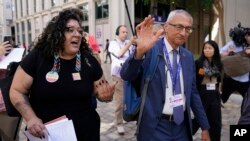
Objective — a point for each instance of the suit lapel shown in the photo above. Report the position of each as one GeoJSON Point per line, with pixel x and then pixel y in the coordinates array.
{"type": "Point", "coordinates": [184, 64]}
{"type": "Point", "coordinates": [161, 65]}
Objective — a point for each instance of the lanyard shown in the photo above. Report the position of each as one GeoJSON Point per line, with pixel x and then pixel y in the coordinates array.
{"type": "Point", "coordinates": [57, 63]}
{"type": "Point", "coordinates": [171, 69]}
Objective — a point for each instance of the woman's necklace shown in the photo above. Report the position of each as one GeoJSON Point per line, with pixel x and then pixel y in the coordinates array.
{"type": "Point", "coordinates": [52, 76]}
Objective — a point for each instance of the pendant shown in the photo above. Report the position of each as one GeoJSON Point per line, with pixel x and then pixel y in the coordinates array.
{"type": "Point", "coordinates": [76, 76]}
{"type": "Point", "coordinates": [52, 76]}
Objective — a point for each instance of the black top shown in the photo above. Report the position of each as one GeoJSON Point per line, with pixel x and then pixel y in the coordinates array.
{"type": "Point", "coordinates": [65, 96]}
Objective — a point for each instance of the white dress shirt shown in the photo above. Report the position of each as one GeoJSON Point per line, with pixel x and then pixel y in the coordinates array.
{"type": "Point", "coordinates": [114, 47]}
{"type": "Point", "coordinates": [168, 109]}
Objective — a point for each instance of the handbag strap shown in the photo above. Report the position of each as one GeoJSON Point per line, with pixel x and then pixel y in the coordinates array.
{"type": "Point", "coordinates": [149, 75]}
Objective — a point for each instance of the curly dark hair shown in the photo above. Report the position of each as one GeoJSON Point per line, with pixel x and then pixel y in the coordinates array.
{"type": "Point", "coordinates": [52, 39]}
{"type": "Point", "coordinates": [216, 60]}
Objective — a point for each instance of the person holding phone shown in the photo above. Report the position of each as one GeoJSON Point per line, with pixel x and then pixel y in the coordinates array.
{"type": "Point", "coordinates": [5, 48]}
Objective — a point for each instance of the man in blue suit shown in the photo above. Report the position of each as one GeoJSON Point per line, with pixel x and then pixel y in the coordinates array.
{"type": "Point", "coordinates": [172, 91]}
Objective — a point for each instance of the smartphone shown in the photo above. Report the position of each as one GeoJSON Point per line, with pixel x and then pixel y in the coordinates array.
{"type": "Point", "coordinates": [8, 38]}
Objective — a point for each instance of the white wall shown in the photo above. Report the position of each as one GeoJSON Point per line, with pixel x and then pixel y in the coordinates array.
{"type": "Point", "coordinates": [236, 11]}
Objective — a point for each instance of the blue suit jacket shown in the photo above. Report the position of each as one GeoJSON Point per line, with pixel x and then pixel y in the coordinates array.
{"type": "Point", "coordinates": [155, 98]}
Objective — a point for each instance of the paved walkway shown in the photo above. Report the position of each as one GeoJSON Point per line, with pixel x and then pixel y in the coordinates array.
{"type": "Point", "coordinates": [230, 116]}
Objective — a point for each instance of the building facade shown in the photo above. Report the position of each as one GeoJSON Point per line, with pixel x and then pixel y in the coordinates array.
{"type": "Point", "coordinates": [101, 17]}
{"type": "Point", "coordinates": [6, 18]}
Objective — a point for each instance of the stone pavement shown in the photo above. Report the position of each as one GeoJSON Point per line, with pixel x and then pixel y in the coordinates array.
{"type": "Point", "coordinates": [230, 116]}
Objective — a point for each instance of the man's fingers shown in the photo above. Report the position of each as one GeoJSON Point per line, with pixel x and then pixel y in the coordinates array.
{"type": "Point", "coordinates": [149, 21]}
{"type": "Point", "coordinates": [159, 33]}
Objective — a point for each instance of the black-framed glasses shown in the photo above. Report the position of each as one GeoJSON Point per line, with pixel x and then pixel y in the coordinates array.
{"type": "Point", "coordinates": [72, 30]}
{"type": "Point", "coordinates": [179, 27]}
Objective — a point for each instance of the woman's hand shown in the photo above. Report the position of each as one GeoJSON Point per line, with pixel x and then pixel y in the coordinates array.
{"type": "Point", "coordinates": [104, 91]}
{"type": "Point", "coordinates": [36, 127]}
{"type": "Point", "coordinates": [5, 46]}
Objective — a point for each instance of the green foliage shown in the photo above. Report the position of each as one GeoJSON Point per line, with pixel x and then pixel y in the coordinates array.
{"type": "Point", "coordinates": [206, 4]}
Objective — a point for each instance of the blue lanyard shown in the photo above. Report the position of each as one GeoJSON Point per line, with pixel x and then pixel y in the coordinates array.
{"type": "Point", "coordinates": [170, 67]}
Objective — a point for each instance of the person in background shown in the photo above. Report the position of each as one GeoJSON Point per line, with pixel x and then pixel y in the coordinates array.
{"type": "Point", "coordinates": [93, 45]}
{"type": "Point", "coordinates": [247, 36]}
{"type": "Point", "coordinates": [208, 77]}
{"type": "Point", "coordinates": [245, 111]}
{"type": "Point", "coordinates": [107, 52]}
{"type": "Point", "coordinates": [9, 126]}
{"type": "Point", "coordinates": [237, 83]}
{"type": "Point", "coordinates": [59, 77]}
{"type": "Point", "coordinates": [156, 27]}
{"type": "Point", "coordinates": [172, 90]}
{"type": "Point", "coordinates": [120, 49]}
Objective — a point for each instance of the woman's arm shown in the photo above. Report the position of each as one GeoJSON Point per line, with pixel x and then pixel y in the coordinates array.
{"type": "Point", "coordinates": [19, 97]}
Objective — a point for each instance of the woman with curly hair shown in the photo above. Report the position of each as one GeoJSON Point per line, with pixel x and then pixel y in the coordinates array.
{"type": "Point", "coordinates": [61, 75]}
{"type": "Point", "coordinates": [208, 77]}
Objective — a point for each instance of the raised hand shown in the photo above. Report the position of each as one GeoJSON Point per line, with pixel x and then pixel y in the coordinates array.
{"type": "Point", "coordinates": [145, 36]}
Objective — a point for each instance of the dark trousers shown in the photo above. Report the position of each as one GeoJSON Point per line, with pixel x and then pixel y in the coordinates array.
{"type": "Point", "coordinates": [108, 56]}
{"type": "Point", "coordinates": [169, 131]}
{"type": "Point", "coordinates": [212, 106]}
{"type": "Point", "coordinates": [230, 86]}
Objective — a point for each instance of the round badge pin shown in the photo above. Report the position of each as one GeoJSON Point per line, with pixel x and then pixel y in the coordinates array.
{"type": "Point", "coordinates": [52, 76]}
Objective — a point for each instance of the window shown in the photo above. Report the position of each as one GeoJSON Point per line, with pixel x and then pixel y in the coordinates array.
{"type": "Point", "coordinates": [21, 4]}
{"type": "Point", "coordinates": [84, 8]}
{"type": "Point", "coordinates": [42, 4]}
{"type": "Point", "coordinates": [34, 6]}
{"type": "Point", "coordinates": [29, 25]}
{"type": "Point", "coordinates": [65, 1]}
{"type": "Point", "coordinates": [85, 28]}
{"type": "Point", "coordinates": [16, 8]}
{"type": "Point", "coordinates": [102, 9]}
{"type": "Point", "coordinates": [23, 28]}
{"type": "Point", "coordinates": [17, 30]}
{"type": "Point", "coordinates": [23, 32]}
{"type": "Point", "coordinates": [27, 7]}
{"type": "Point", "coordinates": [53, 3]}
{"type": "Point", "coordinates": [29, 32]}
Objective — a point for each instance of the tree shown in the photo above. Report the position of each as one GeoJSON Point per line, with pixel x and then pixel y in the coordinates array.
{"type": "Point", "coordinates": [215, 6]}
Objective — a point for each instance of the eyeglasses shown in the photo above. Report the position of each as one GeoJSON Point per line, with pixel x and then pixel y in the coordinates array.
{"type": "Point", "coordinates": [180, 27]}
{"type": "Point", "coordinates": [72, 30]}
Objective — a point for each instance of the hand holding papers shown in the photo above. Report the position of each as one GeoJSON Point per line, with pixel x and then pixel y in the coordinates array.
{"type": "Point", "coordinates": [60, 129]}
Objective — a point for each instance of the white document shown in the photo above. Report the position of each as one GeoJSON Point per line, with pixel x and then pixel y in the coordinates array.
{"type": "Point", "coordinates": [60, 130]}
{"type": "Point", "coordinates": [15, 55]}
{"type": "Point", "coordinates": [33, 138]}
{"type": "Point", "coordinates": [63, 131]}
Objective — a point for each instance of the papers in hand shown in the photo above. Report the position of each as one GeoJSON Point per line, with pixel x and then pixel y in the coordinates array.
{"type": "Point", "coordinates": [60, 129]}
{"type": "Point", "coordinates": [15, 55]}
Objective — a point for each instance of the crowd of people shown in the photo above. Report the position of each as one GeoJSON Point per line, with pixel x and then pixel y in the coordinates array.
{"type": "Point", "coordinates": [62, 75]}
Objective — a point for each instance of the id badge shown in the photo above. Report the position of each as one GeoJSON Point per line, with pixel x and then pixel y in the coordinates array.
{"type": "Point", "coordinates": [76, 76]}
{"type": "Point", "coordinates": [210, 86]}
{"type": "Point", "coordinates": [176, 100]}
